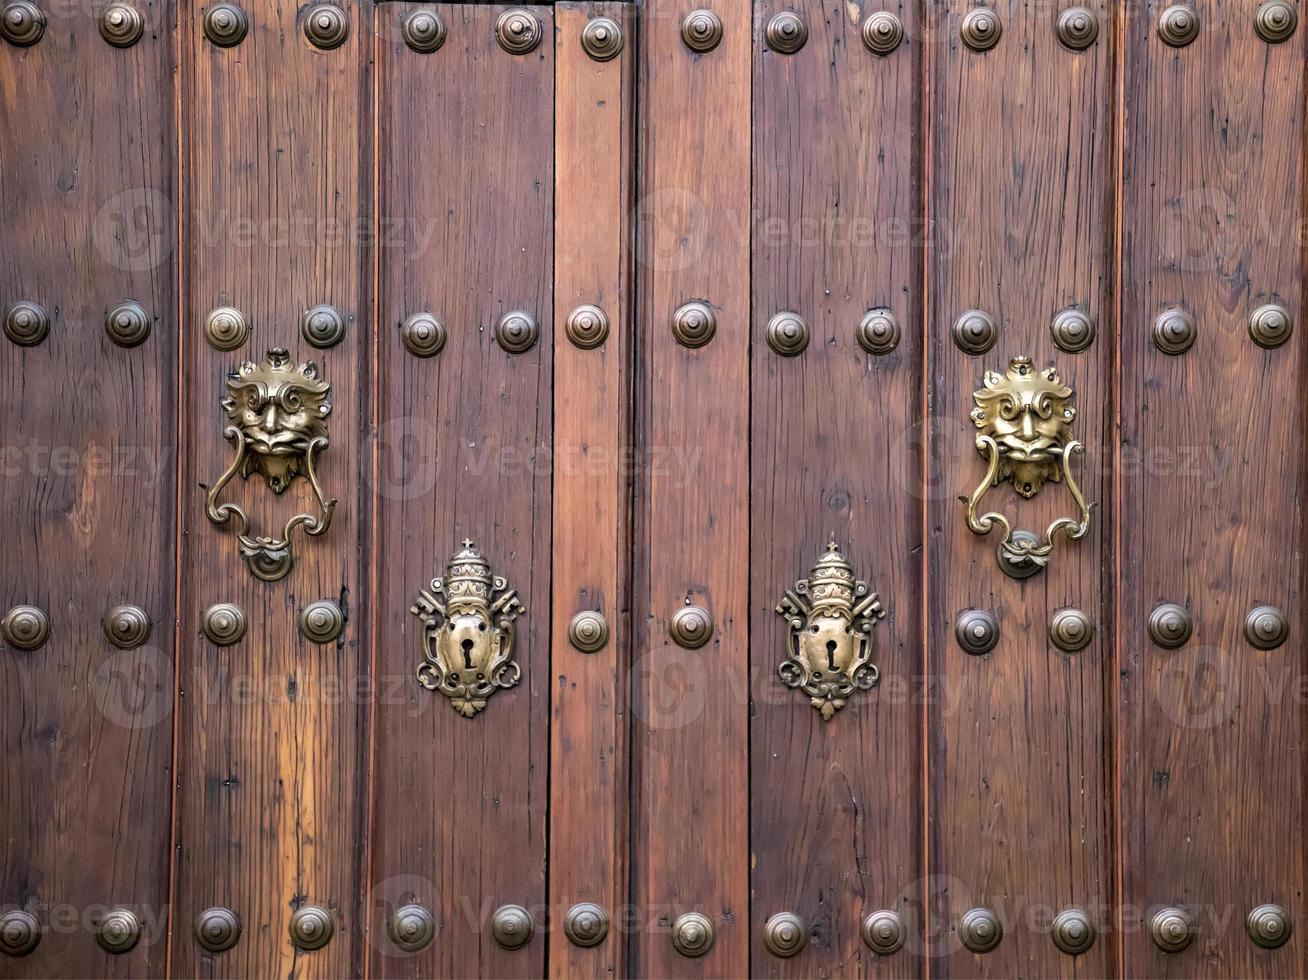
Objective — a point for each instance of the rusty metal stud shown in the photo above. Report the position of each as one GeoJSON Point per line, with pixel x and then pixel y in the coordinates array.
{"type": "Point", "coordinates": [517, 332]}
{"type": "Point", "coordinates": [1170, 626]}
{"type": "Point", "coordinates": [1071, 630]}
{"type": "Point", "coordinates": [1268, 926]}
{"type": "Point", "coordinates": [121, 24]}
{"type": "Point", "coordinates": [225, 25]}
{"type": "Point", "coordinates": [127, 324]}
{"type": "Point", "coordinates": [424, 31]}
{"type": "Point", "coordinates": [1270, 325]}
{"type": "Point", "coordinates": [1073, 932]}
{"type": "Point", "coordinates": [588, 631]}
{"type": "Point", "coordinates": [785, 934]}
{"type": "Point", "coordinates": [786, 32]}
{"type": "Point", "coordinates": [980, 29]}
{"type": "Point", "coordinates": [223, 624]}
{"type": "Point", "coordinates": [975, 332]}
{"type": "Point", "coordinates": [217, 929]}
{"type": "Point", "coordinates": [19, 933]}
{"type": "Point", "coordinates": [701, 31]}
{"type": "Point", "coordinates": [27, 323]}
{"type": "Point", "coordinates": [601, 38]}
{"type": "Point", "coordinates": [977, 631]}
{"type": "Point", "coordinates": [878, 332]}
{"type": "Point", "coordinates": [788, 334]}
{"type": "Point", "coordinates": [326, 26]}
{"type": "Point", "coordinates": [980, 930]}
{"type": "Point", "coordinates": [1266, 627]}
{"type": "Point", "coordinates": [323, 326]}
{"type": "Point", "coordinates": [587, 326]}
{"type": "Point", "coordinates": [126, 627]}
{"type": "Point", "coordinates": [883, 32]}
{"type": "Point", "coordinates": [518, 31]}
{"type": "Point", "coordinates": [1077, 28]}
{"type": "Point", "coordinates": [586, 925]}
{"type": "Point", "coordinates": [692, 934]}
{"type": "Point", "coordinates": [119, 931]}
{"type": "Point", "coordinates": [694, 324]}
{"type": "Point", "coordinates": [1174, 331]}
{"type": "Point", "coordinates": [423, 335]}
{"type": "Point", "coordinates": [1171, 930]}
{"type": "Point", "coordinates": [1275, 21]}
{"type": "Point", "coordinates": [691, 627]}
{"type": "Point", "coordinates": [1073, 331]}
{"type": "Point", "coordinates": [412, 928]}
{"type": "Point", "coordinates": [512, 926]}
{"type": "Point", "coordinates": [22, 23]}
{"type": "Point", "coordinates": [883, 932]}
{"type": "Point", "coordinates": [1178, 25]}
{"type": "Point", "coordinates": [312, 927]}
{"type": "Point", "coordinates": [25, 628]}
{"type": "Point", "coordinates": [226, 328]}
{"type": "Point", "coordinates": [321, 621]}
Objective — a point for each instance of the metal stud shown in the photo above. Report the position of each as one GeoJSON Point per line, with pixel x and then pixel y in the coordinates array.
{"type": "Point", "coordinates": [512, 926]}
{"type": "Point", "coordinates": [878, 332]}
{"type": "Point", "coordinates": [586, 925]}
{"type": "Point", "coordinates": [226, 328]}
{"type": "Point", "coordinates": [312, 927]}
{"type": "Point", "coordinates": [25, 628]}
{"type": "Point", "coordinates": [1170, 626]}
{"type": "Point", "coordinates": [980, 29]}
{"type": "Point", "coordinates": [694, 324]}
{"type": "Point", "coordinates": [1174, 331]}
{"type": "Point", "coordinates": [1275, 21]}
{"type": "Point", "coordinates": [1171, 930]}
{"type": "Point", "coordinates": [321, 621]}
{"type": "Point", "coordinates": [1268, 926]}
{"type": "Point", "coordinates": [326, 26]}
{"type": "Point", "coordinates": [27, 323]}
{"type": "Point", "coordinates": [692, 934]}
{"type": "Point", "coordinates": [1070, 630]}
{"type": "Point", "coordinates": [1073, 932]}
{"type": "Point", "coordinates": [788, 334]}
{"type": "Point", "coordinates": [1266, 627]}
{"type": "Point", "coordinates": [225, 25]}
{"type": "Point", "coordinates": [119, 931]}
{"type": "Point", "coordinates": [601, 38]}
{"type": "Point", "coordinates": [424, 31]}
{"type": "Point", "coordinates": [691, 627]}
{"type": "Point", "coordinates": [1073, 331]}
{"type": "Point", "coordinates": [323, 326]}
{"type": "Point", "coordinates": [883, 32]}
{"type": "Point", "coordinates": [977, 631]}
{"type": "Point", "coordinates": [588, 631]}
{"type": "Point", "coordinates": [22, 23]}
{"type": "Point", "coordinates": [518, 31]}
{"type": "Point", "coordinates": [1178, 25]}
{"type": "Point", "coordinates": [127, 324]}
{"type": "Point", "coordinates": [1270, 325]}
{"type": "Point", "coordinates": [412, 928]}
{"type": "Point", "coordinates": [126, 627]}
{"type": "Point", "coordinates": [423, 335]}
{"type": "Point", "coordinates": [786, 32]}
{"type": "Point", "coordinates": [122, 24]}
{"type": "Point", "coordinates": [1077, 28]}
{"type": "Point", "coordinates": [785, 934]}
{"type": "Point", "coordinates": [517, 332]}
{"type": "Point", "coordinates": [587, 326]}
{"type": "Point", "coordinates": [19, 933]}
{"type": "Point", "coordinates": [883, 932]}
{"type": "Point", "coordinates": [975, 332]}
{"type": "Point", "coordinates": [223, 624]}
{"type": "Point", "coordinates": [980, 930]}
{"type": "Point", "coordinates": [217, 929]}
{"type": "Point", "coordinates": [701, 31]}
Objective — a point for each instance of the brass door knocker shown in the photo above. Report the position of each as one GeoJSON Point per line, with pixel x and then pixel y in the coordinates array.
{"type": "Point", "coordinates": [1026, 438]}
{"type": "Point", "coordinates": [279, 425]}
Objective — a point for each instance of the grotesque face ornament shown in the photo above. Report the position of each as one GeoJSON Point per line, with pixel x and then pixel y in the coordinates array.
{"type": "Point", "coordinates": [1028, 415]}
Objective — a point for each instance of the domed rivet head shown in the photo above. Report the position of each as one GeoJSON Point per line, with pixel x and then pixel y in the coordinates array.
{"type": "Point", "coordinates": [1270, 325]}
{"type": "Point", "coordinates": [226, 328]}
{"type": "Point", "coordinates": [694, 324]}
{"type": "Point", "coordinates": [512, 926]}
{"type": "Point", "coordinates": [975, 332]}
{"type": "Point", "coordinates": [126, 627]}
{"type": "Point", "coordinates": [312, 927]}
{"type": "Point", "coordinates": [1073, 932]}
{"type": "Point", "coordinates": [980, 930]}
{"type": "Point", "coordinates": [424, 31]}
{"type": "Point", "coordinates": [601, 38]}
{"type": "Point", "coordinates": [1178, 25]}
{"type": "Point", "coordinates": [1174, 331]}
{"type": "Point", "coordinates": [1070, 630]}
{"type": "Point", "coordinates": [1170, 626]}
{"type": "Point", "coordinates": [883, 932]}
{"type": "Point", "coordinates": [1077, 28]}
{"type": "Point", "coordinates": [586, 925]}
{"type": "Point", "coordinates": [878, 332]}
{"type": "Point", "coordinates": [225, 25]}
{"type": "Point", "coordinates": [121, 25]}
{"type": "Point", "coordinates": [587, 326]}
{"type": "Point", "coordinates": [691, 627]}
{"type": "Point", "coordinates": [1073, 331]}
{"type": "Point", "coordinates": [323, 326]}
{"type": "Point", "coordinates": [588, 631]}
{"type": "Point", "coordinates": [518, 31]}
{"type": "Point", "coordinates": [119, 931]}
{"type": "Point", "coordinates": [692, 934]}
{"type": "Point", "coordinates": [19, 933]}
{"type": "Point", "coordinates": [1171, 930]}
{"type": "Point", "coordinates": [25, 628]}
{"type": "Point", "coordinates": [223, 624]}
{"type": "Point", "coordinates": [701, 31]}
{"type": "Point", "coordinates": [412, 928]}
{"type": "Point", "coordinates": [321, 621]}
{"type": "Point", "coordinates": [1266, 627]}
{"type": "Point", "coordinates": [1268, 926]}
{"type": "Point", "coordinates": [980, 29]}
{"type": "Point", "coordinates": [27, 323]}
{"type": "Point", "coordinates": [1275, 21]}
{"type": "Point", "coordinates": [785, 934]}
{"type": "Point", "coordinates": [423, 335]}
{"type": "Point", "coordinates": [786, 32]}
{"type": "Point", "coordinates": [22, 23]}
{"type": "Point", "coordinates": [127, 324]}
{"type": "Point", "coordinates": [517, 332]}
{"type": "Point", "coordinates": [788, 334]}
{"type": "Point", "coordinates": [883, 32]}
{"type": "Point", "coordinates": [977, 631]}
{"type": "Point", "coordinates": [326, 26]}
{"type": "Point", "coordinates": [217, 929]}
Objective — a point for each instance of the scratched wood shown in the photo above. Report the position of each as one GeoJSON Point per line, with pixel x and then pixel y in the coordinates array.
{"type": "Point", "coordinates": [277, 192]}
{"type": "Point", "coordinates": [88, 484]}
{"type": "Point", "coordinates": [1212, 478]}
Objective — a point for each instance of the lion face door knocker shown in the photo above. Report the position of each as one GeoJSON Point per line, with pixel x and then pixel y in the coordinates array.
{"type": "Point", "coordinates": [468, 631]}
{"type": "Point", "coordinates": [830, 616]}
{"type": "Point", "coordinates": [1025, 421]}
{"type": "Point", "coordinates": [278, 424]}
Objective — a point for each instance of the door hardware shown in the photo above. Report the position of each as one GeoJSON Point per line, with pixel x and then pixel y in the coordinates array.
{"type": "Point", "coordinates": [1073, 331]}
{"type": "Point", "coordinates": [587, 326]}
{"type": "Point", "coordinates": [423, 335]}
{"type": "Point", "coordinates": [323, 326]}
{"type": "Point", "coordinates": [311, 927]}
{"type": "Point", "coordinates": [1178, 25]}
{"type": "Point", "coordinates": [980, 930]}
{"type": "Point", "coordinates": [883, 932]}
{"type": "Point", "coordinates": [22, 23]}
{"type": "Point", "coordinates": [517, 332]}
{"type": "Point", "coordinates": [1275, 21]}
{"type": "Point", "coordinates": [25, 628]}
{"type": "Point", "coordinates": [1077, 28]}
{"type": "Point", "coordinates": [692, 934]}
{"type": "Point", "coordinates": [19, 933]}
{"type": "Point", "coordinates": [223, 624]}
{"type": "Point", "coordinates": [1266, 627]}
{"type": "Point", "coordinates": [694, 324]}
{"type": "Point", "coordinates": [127, 324]}
{"type": "Point", "coordinates": [883, 32]}
{"type": "Point", "coordinates": [326, 26]}
{"type": "Point", "coordinates": [1071, 630]}
{"type": "Point", "coordinates": [321, 621]}
{"type": "Point", "coordinates": [122, 25]}
{"type": "Point", "coordinates": [787, 334]}
{"type": "Point", "coordinates": [785, 934]}
{"type": "Point", "coordinates": [1073, 932]}
{"type": "Point", "coordinates": [878, 332]}
{"type": "Point", "coordinates": [126, 627]}
{"type": "Point", "coordinates": [519, 31]}
{"type": "Point", "coordinates": [225, 25]}
{"type": "Point", "coordinates": [119, 931]}
{"type": "Point", "coordinates": [412, 928]}
{"type": "Point", "coordinates": [588, 631]}
{"type": "Point", "coordinates": [601, 38]}
{"type": "Point", "coordinates": [217, 929]}
{"type": "Point", "coordinates": [975, 332]}
{"type": "Point", "coordinates": [586, 925]}
{"type": "Point", "coordinates": [701, 31]}
{"type": "Point", "coordinates": [512, 927]}
{"type": "Point", "coordinates": [1268, 926]}
{"type": "Point", "coordinates": [1174, 331]}
{"type": "Point", "coordinates": [1270, 325]}
{"type": "Point", "coordinates": [980, 29]}
{"type": "Point", "coordinates": [691, 627]}
{"type": "Point", "coordinates": [786, 32]}
{"type": "Point", "coordinates": [226, 328]}
{"type": "Point", "coordinates": [1171, 929]}
{"type": "Point", "coordinates": [1170, 626]}
{"type": "Point", "coordinates": [27, 323]}
{"type": "Point", "coordinates": [976, 631]}
{"type": "Point", "coordinates": [424, 31]}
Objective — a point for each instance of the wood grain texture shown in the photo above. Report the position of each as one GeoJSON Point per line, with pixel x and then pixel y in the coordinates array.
{"type": "Point", "coordinates": [466, 146]}
{"type": "Point", "coordinates": [1022, 199]}
{"type": "Point", "coordinates": [87, 442]}
{"type": "Point", "coordinates": [1212, 481]}
{"type": "Point", "coordinates": [836, 456]}
{"type": "Point", "coordinates": [277, 179]}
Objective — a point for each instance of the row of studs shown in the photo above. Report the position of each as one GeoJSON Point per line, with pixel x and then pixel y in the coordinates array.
{"type": "Point", "coordinates": [788, 333]}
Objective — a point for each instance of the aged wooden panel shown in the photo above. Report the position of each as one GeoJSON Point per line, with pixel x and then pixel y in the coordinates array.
{"type": "Point", "coordinates": [1212, 480]}
{"type": "Point", "coordinates": [277, 178]}
{"type": "Point", "coordinates": [467, 179]}
{"type": "Point", "coordinates": [1022, 201]}
{"type": "Point", "coordinates": [87, 437]}
{"type": "Point", "coordinates": [836, 457]}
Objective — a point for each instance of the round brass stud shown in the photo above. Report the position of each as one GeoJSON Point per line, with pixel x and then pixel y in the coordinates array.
{"type": "Point", "coordinates": [323, 326]}
{"type": "Point", "coordinates": [312, 927]}
{"type": "Point", "coordinates": [412, 928]}
{"type": "Point", "coordinates": [1174, 331]}
{"type": "Point", "coordinates": [326, 26]}
{"type": "Point", "coordinates": [19, 933]}
{"type": "Point", "coordinates": [587, 326]}
{"type": "Point", "coordinates": [788, 334]}
{"type": "Point", "coordinates": [424, 31]}
{"type": "Point", "coordinates": [1266, 627]}
{"type": "Point", "coordinates": [1077, 28]}
{"type": "Point", "coordinates": [121, 25]}
{"type": "Point", "coordinates": [601, 38]}
{"type": "Point", "coordinates": [701, 31]}
{"type": "Point", "coordinates": [980, 29]}
{"type": "Point", "coordinates": [225, 25]}
{"type": "Point", "coordinates": [27, 323]}
{"type": "Point", "coordinates": [883, 32]}
{"type": "Point", "coordinates": [980, 930]}
{"type": "Point", "coordinates": [517, 332]}
{"type": "Point", "coordinates": [226, 328]}
{"type": "Point", "coordinates": [694, 324]}
{"type": "Point", "coordinates": [1073, 932]}
{"type": "Point", "coordinates": [119, 931]}
{"type": "Point", "coordinates": [692, 934]}
{"type": "Point", "coordinates": [586, 925]}
{"type": "Point", "coordinates": [691, 627]}
{"type": "Point", "coordinates": [126, 627]}
{"type": "Point", "coordinates": [321, 621]}
{"type": "Point", "coordinates": [975, 332]}
{"type": "Point", "coordinates": [1275, 21]}
{"type": "Point", "coordinates": [512, 926]}
{"type": "Point", "coordinates": [1071, 630]}
{"type": "Point", "coordinates": [786, 32]}
{"type": "Point", "coordinates": [785, 934]}
{"type": "Point", "coordinates": [1073, 331]}
{"type": "Point", "coordinates": [127, 324]}
{"type": "Point", "coordinates": [518, 31]}
{"type": "Point", "coordinates": [1178, 25]}
{"type": "Point", "coordinates": [1170, 626]}
{"type": "Point", "coordinates": [22, 23]}
{"type": "Point", "coordinates": [25, 628]}
{"type": "Point", "coordinates": [217, 929]}
{"type": "Point", "coordinates": [1270, 325]}
{"type": "Point", "coordinates": [423, 335]}
{"type": "Point", "coordinates": [1171, 930]}
{"type": "Point", "coordinates": [223, 624]}
{"type": "Point", "coordinates": [977, 631]}
{"type": "Point", "coordinates": [588, 631]}
{"type": "Point", "coordinates": [883, 932]}
{"type": "Point", "coordinates": [878, 332]}
{"type": "Point", "coordinates": [1268, 926]}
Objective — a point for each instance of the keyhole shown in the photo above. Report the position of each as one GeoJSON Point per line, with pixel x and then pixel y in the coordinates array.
{"type": "Point", "coordinates": [831, 654]}
{"type": "Point", "coordinates": [467, 654]}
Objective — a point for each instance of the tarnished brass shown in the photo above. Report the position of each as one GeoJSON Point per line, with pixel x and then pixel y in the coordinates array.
{"type": "Point", "coordinates": [788, 334]}
{"type": "Point", "coordinates": [519, 31]}
{"type": "Point", "coordinates": [22, 23]}
{"type": "Point", "coordinates": [25, 628]}
{"type": "Point", "coordinates": [883, 32]}
{"type": "Point", "coordinates": [692, 934]}
{"type": "Point", "coordinates": [1275, 21]}
{"type": "Point", "coordinates": [1270, 325]}
{"type": "Point", "coordinates": [223, 624]}
{"type": "Point", "coordinates": [587, 326]}
{"type": "Point", "coordinates": [321, 621]}
{"type": "Point", "coordinates": [1266, 627]}
{"type": "Point", "coordinates": [588, 631]}
{"type": "Point", "coordinates": [786, 32]}
{"type": "Point", "coordinates": [691, 627]}
{"type": "Point", "coordinates": [1170, 626]}
{"type": "Point", "coordinates": [217, 929]}
{"type": "Point", "coordinates": [980, 930]}
{"type": "Point", "coordinates": [883, 932]}
{"type": "Point", "coordinates": [601, 38]}
{"type": "Point", "coordinates": [1268, 926]}
{"type": "Point", "coordinates": [326, 26]}
{"type": "Point", "coordinates": [830, 616]}
{"type": "Point", "coordinates": [412, 928]}
{"type": "Point", "coordinates": [423, 335]}
{"type": "Point", "coordinates": [785, 934]}
{"type": "Point", "coordinates": [1025, 422]}
{"type": "Point", "coordinates": [312, 927]}
{"type": "Point", "coordinates": [225, 25]}
{"type": "Point", "coordinates": [226, 328]}
{"type": "Point", "coordinates": [323, 326]}
{"type": "Point", "coordinates": [1077, 28]}
{"type": "Point", "coordinates": [1174, 331]}
{"type": "Point", "coordinates": [512, 926]}
{"type": "Point", "coordinates": [1073, 331]}
{"type": "Point", "coordinates": [980, 29]}
{"type": "Point", "coordinates": [424, 31]}
{"type": "Point", "coordinates": [1171, 929]}
{"type": "Point", "coordinates": [586, 925]}
{"type": "Point", "coordinates": [119, 931]}
{"type": "Point", "coordinates": [1073, 932]}
{"type": "Point", "coordinates": [878, 332]}
{"type": "Point", "coordinates": [468, 634]}
{"type": "Point", "coordinates": [27, 323]}
{"type": "Point", "coordinates": [517, 332]}
{"type": "Point", "coordinates": [1071, 630]}
{"type": "Point", "coordinates": [694, 324]}
{"type": "Point", "coordinates": [701, 31]}
{"type": "Point", "coordinates": [121, 24]}
{"type": "Point", "coordinates": [279, 415]}
{"type": "Point", "coordinates": [19, 933]}
{"type": "Point", "coordinates": [975, 332]}
{"type": "Point", "coordinates": [976, 631]}
{"type": "Point", "coordinates": [127, 324]}
{"type": "Point", "coordinates": [1178, 25]}
{"type": "Point", "coordinates": [126, 627]}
